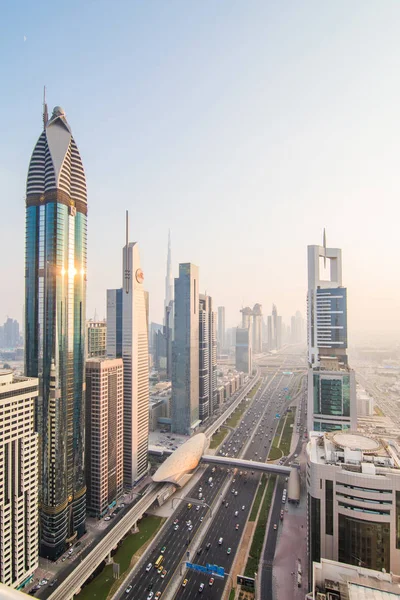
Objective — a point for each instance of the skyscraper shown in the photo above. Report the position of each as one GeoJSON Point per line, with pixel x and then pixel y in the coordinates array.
{"type": "Point", "coordinates": [104, 433]}
{"type": "Point", "coordinates": [221, 328]}
{"type": "Point", "coordinates": [332, 400]}
{"type": "Point", "coordinates": [326, 306]}
{"type": "Point", "coordinates": [207, 358]}
{"type": "Point", "coordinates": [127, 309]}
{"type": "Point", "coordinates": [96, 336]}
{"type": "Point", "coordinates": [18, 478]}
{"type": "Point", "coordinates": [257, 328]}
{"type": "Point", "coordinates": [169, 280]}
{"type": "Point", "coordinates": [243, 350]}
{"type": "Point", "coordinates": [55, 308]}
{"type": "Point", "coordinates": [185, 351]}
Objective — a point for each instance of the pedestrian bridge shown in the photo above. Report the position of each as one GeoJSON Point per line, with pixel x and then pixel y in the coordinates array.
{"type": "Point", "coordinates": [246, 464]}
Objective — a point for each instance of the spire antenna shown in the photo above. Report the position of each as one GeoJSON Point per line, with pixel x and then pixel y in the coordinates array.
{"type": "Point", "coordinates": [45, 112]}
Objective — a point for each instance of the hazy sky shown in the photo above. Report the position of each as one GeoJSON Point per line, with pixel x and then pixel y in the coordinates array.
{"type": "Point", "coordinates": [245, 126]}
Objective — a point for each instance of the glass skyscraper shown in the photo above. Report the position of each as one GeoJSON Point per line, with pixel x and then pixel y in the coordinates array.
{"type": "Point", "coordinates": [55, 308]}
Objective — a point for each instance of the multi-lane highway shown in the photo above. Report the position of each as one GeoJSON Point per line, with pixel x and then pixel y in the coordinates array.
{"type": "Point", "coordinates": [253, 437]}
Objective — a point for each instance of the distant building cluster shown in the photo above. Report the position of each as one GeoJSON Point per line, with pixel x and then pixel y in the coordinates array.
{"type": "Point", "coordinates": [10, 336]}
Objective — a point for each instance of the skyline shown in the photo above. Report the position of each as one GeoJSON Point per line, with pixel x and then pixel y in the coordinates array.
{"type": "Point", "coordinates": [210, 121]}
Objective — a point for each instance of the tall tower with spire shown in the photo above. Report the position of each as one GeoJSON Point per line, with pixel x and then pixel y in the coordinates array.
{"type": "Point", "coordinates": [169, 280]}
{"type": "Point", "coordinates": [55, 308]}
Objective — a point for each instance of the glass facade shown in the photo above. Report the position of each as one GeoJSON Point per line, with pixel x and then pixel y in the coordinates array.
{"type": "Point", "coordinates": [332, 317]}
{"type": "Point", "coordinates": [55, 277]}
{"type": "Point", "coordinates": [329, 507]}
{"type": "Point", "coordinates": [314, 531]}
{"type": "Point", "coordinates": [365, 543]}
{"type": "Point", "coordinates": [331, 395]}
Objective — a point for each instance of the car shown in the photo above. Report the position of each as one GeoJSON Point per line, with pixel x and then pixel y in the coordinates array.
{"type": "Point", "coordinates": [44, 582]}
{"type": "Point", "coordinates": [243, 507]}
{"type": "Point", "coordinates": [198, 507]}
{"type": "Point", "coordinates": [275, 526]}
{"type": "Point", "coordinates": [190, 527]}
{"type": "Point", "coordinates": [176, 521]}
{"type": "Point", "coordinates": [237, 526]}
{"type": "Point", "coordinates": [223, 500]}
{"type": "Point", "coordinates": [211, 582]}
{"type": "Point", "coordinates": [176, 527]}
{"type": "Point", "coordinates": [236, 513]}
{"type": "Point", "coordinates": [201, 519]}
{"type": "Point", "coordinates": [148, 568]}
{"type": "Point", "coordinates": [151, 594]}
{"type": "Point", "coordinates": [281, 515]}
{"type": "Point", "coordinates": [236, 493]}
{"type": "Point", "coordinates": [227, 504]}
{"type": "Point", "coordinates": [52, 583]}
{"type": "Point", "coordinates": [200, 550]}
{"type": "Point", "coordinates": [229, 550]}
{"type": "Point", "coordinates": [201, 588]}
{"type": "Point", "coordinates": [158, 595]}
{"type": "Point", "coordinates": [63, 558]}
{"type": "Point", "coordinates": [163, 549]}
{"type": "Point", "coordinates": [107, 518]}
{"type": "Point", "coordinates": [189, 505]}
{"type": "Point", "coordinates": [150, 586]}
{"type": "Point", "coordinates": [200, 489]}
{"type": "Point", "coordinates": [221, 539]}
{"type": "Point", "coordinates": [163, 574]}
{"type": "Point", "coordinates": [185, 582]}
{"type": "Point", "coordinates": [233, 480]}
{"type": "Point", "coordinates": [208, 546]}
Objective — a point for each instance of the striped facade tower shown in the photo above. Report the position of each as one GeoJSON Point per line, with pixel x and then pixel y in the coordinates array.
{"type": "Point", "coordinates": [55, 308]}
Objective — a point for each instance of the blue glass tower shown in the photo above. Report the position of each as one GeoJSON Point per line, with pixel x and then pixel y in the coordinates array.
{"type": "Point", "coordinates": [55, 307]}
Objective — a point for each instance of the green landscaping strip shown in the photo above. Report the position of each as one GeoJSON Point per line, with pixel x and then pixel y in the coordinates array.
{"type": "Point", "coordinates": [253, 391]}
{"type": "Point", "coordinates": [258, 498]}
{"type": "Point", "coordinates": [287, 432]}
{"type": "Point", "coordinates": [218, 438]}
{"type": "Point", "coordinates": [259, 533]}
{"type": "Point", "coordinates": [100, 586]}
{"type": "Point", "coordinates": [232, 594]}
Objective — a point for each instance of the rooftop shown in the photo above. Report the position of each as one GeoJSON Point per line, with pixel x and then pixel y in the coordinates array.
{"type": "Point", "coordinates": [354, 451]}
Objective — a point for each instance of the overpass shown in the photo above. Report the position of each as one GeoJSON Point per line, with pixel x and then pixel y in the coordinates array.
{"type": "Point", "coordinates": [246, 464]}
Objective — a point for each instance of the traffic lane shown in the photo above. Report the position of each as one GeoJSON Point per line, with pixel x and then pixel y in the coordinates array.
{"type": "Point", "coordinates": [259, 406]}
{"type": "Point", "coordinates": [174, 540]}
{"type": "Point", "coordinates": [217, 554]}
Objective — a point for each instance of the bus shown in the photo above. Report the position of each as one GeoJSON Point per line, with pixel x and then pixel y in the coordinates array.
{"type": "Point", "coordinates": [159, 562]}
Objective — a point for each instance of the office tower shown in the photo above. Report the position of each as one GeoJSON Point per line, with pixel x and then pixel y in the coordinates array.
{"type": "Point", "coordinates": [278, 332]}
{"type": "Point", "coordinates": [243, 349]}
{"type": "Point", "coordinates": [169, 280]}
{"type": "Point", "coordinates": [104, 433]}
{"type": "Point", "coordinates": [326, 305]}
{"type": "Point", "coordinates": [96, 338]}
{"type": "Point", "coordinates": [247, 317]}
{"type": "Point", "coordinates": [269, 328]}
{"type": "Point", "coordinates": [274, 327]}
{"type": "Point", "coordinates": [353, 484]}
{"type": "Point", "coordinates": [221, 329]}
{"type": "Point", "coordinates": [55, 308]}
{"type": "Point", "coordinates": [160, 349]}
{"type": "Point", "coordinates": [185, 351]}
{"type": "Point", "coordinates": [169, 336]}
{"type": "Point", "coordinates": [114, 323]}
{"type": "Point", "coordinates": [331, 383]}
{"type": "Point", "coordinates": [257, 329]}
{"type": "Point", "coordinates": [207, 358]}
{"type": "Point", "coordinates": [127, 324]}
{"type": "Point", "coordinates": [18, 478]}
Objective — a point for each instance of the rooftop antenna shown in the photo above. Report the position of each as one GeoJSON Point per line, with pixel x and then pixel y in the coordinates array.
{"type": "Point", "coordinates": [324, 243]}
{"type": "Point", "coordinates": [127, 266]}
{"type": "Point", "coordinates": [45, 112]}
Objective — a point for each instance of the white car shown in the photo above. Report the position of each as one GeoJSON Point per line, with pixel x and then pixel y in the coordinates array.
{"type": "Point", "coordinates": [148, 568]}
{"type": "Point", "coordinates": [151, 594]}
{"type": "Point", "coordinates": [128, 589]}
{"type": "Point", "coordinates": [243, 507]}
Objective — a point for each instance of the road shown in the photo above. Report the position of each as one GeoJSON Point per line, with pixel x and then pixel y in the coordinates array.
{"type": "Point", "coordinates": [224, 520]}
{"type": "Point", "coordinates": [265, 578]}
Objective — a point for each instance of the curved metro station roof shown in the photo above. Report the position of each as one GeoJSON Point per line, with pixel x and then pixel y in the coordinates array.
{"type": "Point", "coordinates": [183, 461]}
